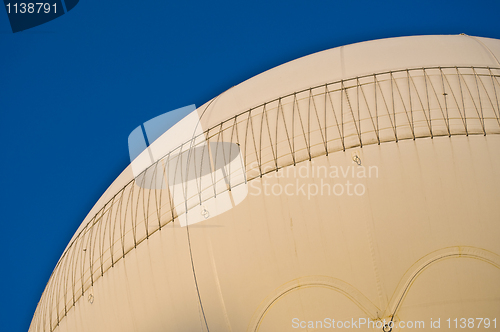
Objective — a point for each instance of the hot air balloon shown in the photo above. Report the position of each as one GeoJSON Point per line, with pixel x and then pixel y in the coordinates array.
{"type": "Point", "coordinates": [356, 187]}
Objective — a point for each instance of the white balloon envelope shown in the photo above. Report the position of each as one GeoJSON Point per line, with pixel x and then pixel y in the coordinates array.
{"type": "Point", "coordinates": [357, 187]}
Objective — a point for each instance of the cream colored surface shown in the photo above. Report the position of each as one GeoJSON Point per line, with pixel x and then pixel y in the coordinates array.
{"type": "Point", "coordinates": [421, 243]}
{"type": "Point", "coordinates": [330, 66]}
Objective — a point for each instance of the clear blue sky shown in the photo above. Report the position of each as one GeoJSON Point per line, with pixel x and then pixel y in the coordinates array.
{"type": "Point", "coordinates": [73, 89]}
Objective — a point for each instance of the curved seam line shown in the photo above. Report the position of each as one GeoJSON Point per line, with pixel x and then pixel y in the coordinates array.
{"type": "Point", "coordinates": [486, 47]}
{"type": "Point", "coordinates": [424, 267]}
